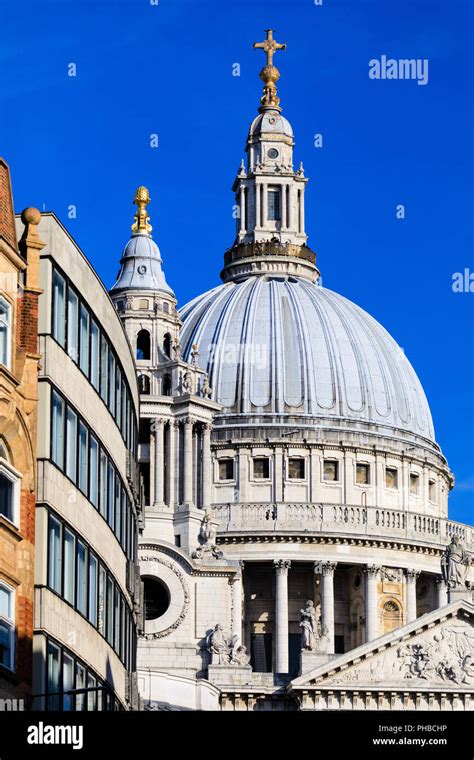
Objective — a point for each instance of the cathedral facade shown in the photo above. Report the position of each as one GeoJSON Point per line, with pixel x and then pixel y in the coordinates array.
{"type": "Point", "coordinates": [297, 551]}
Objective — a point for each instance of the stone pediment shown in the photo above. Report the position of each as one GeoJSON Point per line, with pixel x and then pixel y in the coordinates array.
{"type": "Point", "coordinates": [434, 652]}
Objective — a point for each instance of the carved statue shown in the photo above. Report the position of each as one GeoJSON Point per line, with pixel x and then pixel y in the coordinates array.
{"type": "Point", "coordinates": [308, 625]}
{"type": "Point", "coordinates": [176, 348]}
{"type": "Point", "coordinates": [206, 389]}
{"type": "Point", "coordinates": [217, 646]}
{"type": "Point", "coordinates": [455, 563]}
{"type": "Point", "coordinates": [226, 651]}
{"type": "Point", "coordinates": [207, 538]}
{"type": "Point", "coordinates": [186, 382]}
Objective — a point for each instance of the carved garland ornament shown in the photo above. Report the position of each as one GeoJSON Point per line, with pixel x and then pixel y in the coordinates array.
{"type": "Point", "coordinates": [184, 611]}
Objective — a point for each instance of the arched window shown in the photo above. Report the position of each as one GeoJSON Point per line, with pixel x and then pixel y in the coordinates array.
{"type": "Point", "coordinates": [167, 385]}
{"type": "Point", "coordinates": [167, 345]}
{"type": "Point", "coordinates": [144, 384]}
{"type": "Point", "coordinates": [143, 344]}
{"type": "Point", "coordinates": [391, 616]}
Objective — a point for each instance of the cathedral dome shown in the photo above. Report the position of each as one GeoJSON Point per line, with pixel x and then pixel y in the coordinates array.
{"type": "Point", "coordinates": [270, 122]}
{"type": "Point", "coordinates": [141, 266]}
{"type": "Point", "coordinates": [288, 348]}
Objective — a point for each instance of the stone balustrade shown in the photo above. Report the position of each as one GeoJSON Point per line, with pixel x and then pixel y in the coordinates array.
{"type": "Point", "coordinates": [336, 518]}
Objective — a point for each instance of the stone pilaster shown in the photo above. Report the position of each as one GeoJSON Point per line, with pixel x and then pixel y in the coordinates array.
{"type": "Point", "coordinates": [188, 462]}
{"type": "Point", "coordinates": [411, 576]}
{"type": "Point", "coordinates": [372, 575]}
{"type": "Point", "coordinates": [159, 496]}
{"type": "Point", "coordinates": [206, 466]}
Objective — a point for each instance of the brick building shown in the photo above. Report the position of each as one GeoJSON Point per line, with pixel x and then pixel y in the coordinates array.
{"type": "Point", "coordinates": [19, 360]}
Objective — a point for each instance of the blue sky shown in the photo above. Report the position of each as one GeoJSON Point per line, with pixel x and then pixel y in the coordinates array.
{"type": "Point", "coordinates": [167, 69]}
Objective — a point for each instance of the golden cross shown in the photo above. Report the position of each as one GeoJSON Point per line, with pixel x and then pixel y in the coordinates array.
{"type": "Point", "coordinates": [269, 46]}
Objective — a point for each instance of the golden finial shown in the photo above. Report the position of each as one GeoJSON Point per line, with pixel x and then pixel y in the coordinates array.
{"type": "Point", "coordinates": [269, 74]}
{"type": "Point", "coordinates": [141, 224]}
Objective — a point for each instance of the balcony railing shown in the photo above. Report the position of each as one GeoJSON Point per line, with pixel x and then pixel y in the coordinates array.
{"type": "Point", "coordinates": [343, 520]}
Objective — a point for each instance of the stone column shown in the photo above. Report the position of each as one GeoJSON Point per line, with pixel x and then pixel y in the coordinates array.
{"type": "Point", "coordinates": [172, 431]}
{"type": "Point", "coordinates": [242, 208]}
{"type": "Point", "coordinates": [281, 615]}
{"type": "Point", "coordinates": [206, 466]}
{"type": "Point", "coordinates": [372, 573]}
{"type": "Point", "coordinates": [159, 495]}
{"type": "Point", "coordinates": [188, 462]}
{"type": "Point", "coordinates": [326, 569]}
{"type": "Point", "coordinates": [442, 590]}
{"type": "Point", "coordinates": [411, 576]}
{"type": "Point", "coordinates": [236, 590]}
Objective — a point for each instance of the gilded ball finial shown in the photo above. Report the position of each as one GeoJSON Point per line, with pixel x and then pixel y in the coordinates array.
{"type": "Point", "coordinates": [141, 224]}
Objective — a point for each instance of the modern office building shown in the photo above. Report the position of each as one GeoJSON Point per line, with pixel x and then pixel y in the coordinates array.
{"type": "Point", "coordinates": [87, 593]}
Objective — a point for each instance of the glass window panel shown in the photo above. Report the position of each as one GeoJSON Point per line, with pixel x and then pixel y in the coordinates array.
{"type": "Point", "coordinates": [84, 342]}
{"type": "Point", "coordinates": [94, 471]}
{"type": "Point", "coordinates": [6, 644]}
{"type": "Point", "coordinates": [69, 565]}
{"type": "Point", "coordinates": [261, 467]}
{"type": "Point", "coordinates": [102, 579]}
{"type": "Point", "coordinates": [72, 323]}
{"type": "Point", "coordinates": [112, 383]}
{"type": "Point", "coordinates": [54, 549]}
{"type": "Point", "coordinates": [104, 367]}
{"type": "Point", "coordinates": [54, 670]}
{"type": "Point", "coordinates": [71, 444]}
{"type": "Point", "coordinates": [296, 468]}
{"type": "Point", "coordinates": [123, 426]}
{"type": "Point", "coordinates": [92, 695]}
{"type": "Point", "coordinates": [117, 621]}
{"type": "Point", "coordinates": [57, 432]}
{"type": "Point", "coordinates": [226, 469]}
{"type": "Point", "coordinates": [5, 332]}
{"type": "Point", "coordinates": [83, 457]}
{"type": "Point", "coordinates": [330, 470]}
{"type": "Point", "coordinates": [81, 599]}
{"type": "Point", "coordinates": [92, 589]}
{"type": "Point", "coordinates": [7, 495]}
{"type": "Point", "coordinates": [95, 355]}
{"type": "Point", "coordinates": [110, 610]}
{"type": "Point", "coordinates": [118, 396]}
{"type": "Point", "coordinates": [103, 483]}
{"type": "Point", "coordinates": [391, 478]}
{"type": "Point", "coordinates": [111, 492]}
{"type": "Point", "coordinates": [59, 308]}
{"type": "Point", "coordinates": [5, 602]}
{"type": "Point", "coordinates": [80, 684]}
{"type": "Point", "coordinates": [362, 474]}
{"type": "Point", "coordinates": [274, 205]}
{"type": "Point", "coordinates": [68, 682]}
{"type": "Point", "coordinates": [414, 483]}
{"type": "Point", "coordinates": [118, 521]}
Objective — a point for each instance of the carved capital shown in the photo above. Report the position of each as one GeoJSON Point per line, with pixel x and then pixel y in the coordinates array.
{"type": "Point", "coordinates": [411, 575]}
{"type": "Point", "coordinates": [189, 421]}
{"type": "Point", "coordinates": [281, 566]}
{"type": "Point", "coordinates": [372, 571]}
{"type": "Point", "coordinates": [325, 568]}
